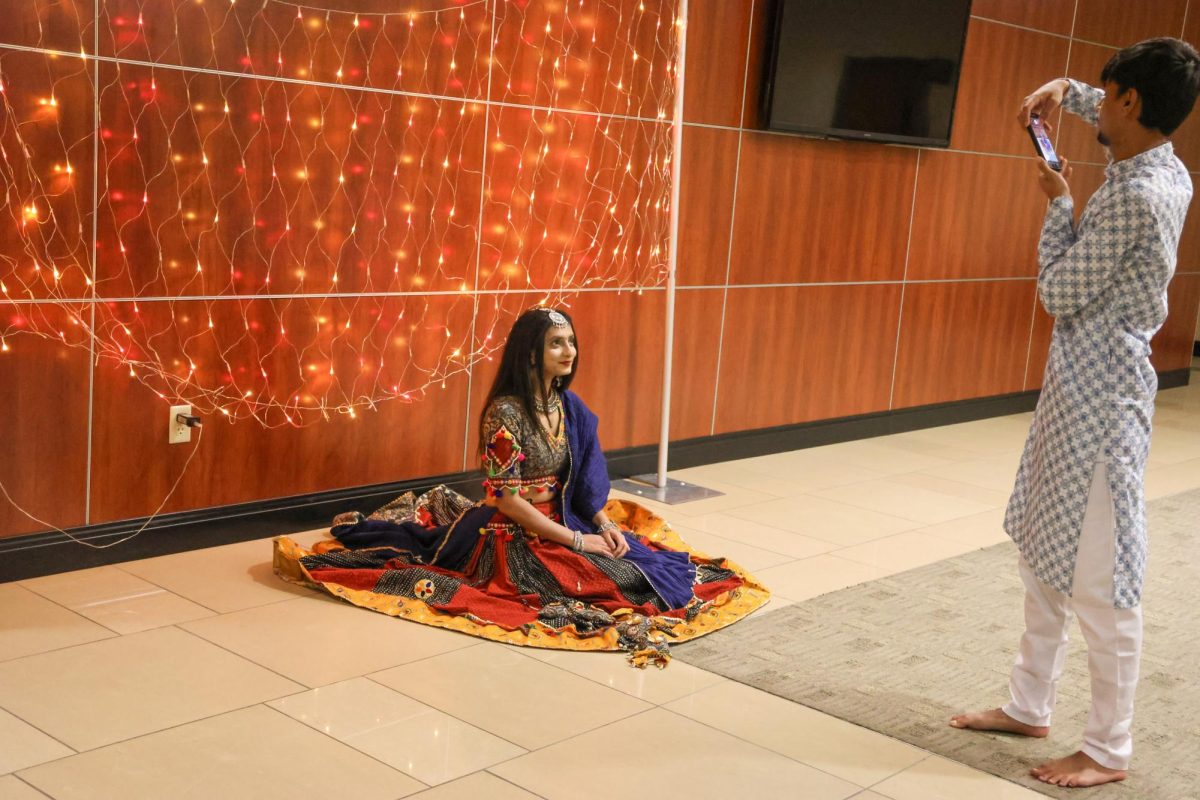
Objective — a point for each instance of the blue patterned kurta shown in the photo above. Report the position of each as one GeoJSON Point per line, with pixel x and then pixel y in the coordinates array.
{"type": "Point", "coordinates": [1105, 284]}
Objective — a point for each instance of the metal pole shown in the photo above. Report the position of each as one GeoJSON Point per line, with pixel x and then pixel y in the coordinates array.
{"type": "Point", "coordinates": [673, 244]}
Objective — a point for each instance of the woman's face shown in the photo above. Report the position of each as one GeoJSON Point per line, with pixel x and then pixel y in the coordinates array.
{"type": "Point", "coordinates": [558, 352]}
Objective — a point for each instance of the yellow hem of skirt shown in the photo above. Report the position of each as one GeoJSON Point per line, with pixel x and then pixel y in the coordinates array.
{"type": "Point", "coordinates": [725, 609]}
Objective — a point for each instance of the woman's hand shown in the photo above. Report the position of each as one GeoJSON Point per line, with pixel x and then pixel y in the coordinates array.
{"type": "Point", "coordinates": [595, 543]}
{"type": "Point", "coordinates": [616, 541]}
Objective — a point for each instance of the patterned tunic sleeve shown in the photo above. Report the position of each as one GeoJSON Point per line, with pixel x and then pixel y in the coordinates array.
{"type": "Point", "coordinates": [502, 455]}
{"type": "Point", "coordinates": [1074, 269]}
{"type": "Point", "coordinates": [1082, 100]}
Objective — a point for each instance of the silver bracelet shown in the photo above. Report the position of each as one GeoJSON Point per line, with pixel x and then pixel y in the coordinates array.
{"type": "Point", "coordinates": [609, 525]}
{"type": "Point", "coordinates": [577, 541]}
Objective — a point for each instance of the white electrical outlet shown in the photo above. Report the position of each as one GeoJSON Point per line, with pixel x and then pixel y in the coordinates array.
{"type": "Point", "coordinates": [178, 432]}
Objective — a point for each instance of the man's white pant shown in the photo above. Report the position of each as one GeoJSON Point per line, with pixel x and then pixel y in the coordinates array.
{"type": "Point", "coordinates": [1113, 635]}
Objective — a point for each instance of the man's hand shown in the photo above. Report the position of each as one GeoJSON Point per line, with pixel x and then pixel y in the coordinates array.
{"type": "Point", "coordinates": [1044, 101]}
{"type": "Point", "coordinates": [1052, 183]}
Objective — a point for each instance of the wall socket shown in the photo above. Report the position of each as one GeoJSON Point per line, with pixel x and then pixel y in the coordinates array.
{"type": "Point", "coordinates": [178, 432]}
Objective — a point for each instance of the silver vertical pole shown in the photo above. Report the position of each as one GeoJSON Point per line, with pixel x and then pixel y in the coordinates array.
{"type": "Point", "coordinates": [673, 244]}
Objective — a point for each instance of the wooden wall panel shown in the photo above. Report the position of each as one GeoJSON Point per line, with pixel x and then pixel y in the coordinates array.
{"type": "Point", "coordinates": [962, 340]}
{"type": "Point", "coordinates": [1172, 347]}
{"type": "Point", "coordinates": [710, 159]}
{"type": "Point", "coordinates": [716, 61]}
{"type": "Point", "coordinates": [1120, 23]}
{"type": "Point", "coordinates": [1189, 241]}
{"type": "Point", "coordinates": [241, 462]}
{"type": "Point", "coordinates": [804, 212]}
{"type": "Point", "coordinates": [799, 354]}
{"type": "Point", "coordinates": [694, 361]}
{"type": "Point", "coordinates": [1001, 65]}
{"type": "Point", "coordinates": [1052, 16]}
{"type": "Point", "coordinates": [975, 217]}
{"type": "Point", "coordinates": [65, 25]}
{"type": "Point", "coordinates": [43, 423]}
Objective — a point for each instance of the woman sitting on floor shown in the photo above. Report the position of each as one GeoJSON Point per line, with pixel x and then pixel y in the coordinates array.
{"type": "Point", "coordinates": [539, 561]}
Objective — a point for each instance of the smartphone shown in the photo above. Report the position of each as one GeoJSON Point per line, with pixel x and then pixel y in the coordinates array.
{"type": "Point", "coordinates": [1042, 143]}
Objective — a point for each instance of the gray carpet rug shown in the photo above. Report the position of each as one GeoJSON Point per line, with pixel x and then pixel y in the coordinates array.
{"type": "Point", "coordinates": [902, 654]}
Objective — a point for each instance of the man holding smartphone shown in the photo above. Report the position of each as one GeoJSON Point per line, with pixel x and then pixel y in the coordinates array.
{"type": "Point", "coordinates": [1077, 512]}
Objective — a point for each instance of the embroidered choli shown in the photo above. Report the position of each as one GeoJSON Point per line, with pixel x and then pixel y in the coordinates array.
{"type": "Point", "coordinates": [519, 455]}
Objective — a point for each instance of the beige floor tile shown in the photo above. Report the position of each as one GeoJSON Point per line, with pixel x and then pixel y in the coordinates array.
{"type": "Point", "coordinates": [1172, 479]}
{"type": "Point", "coordinates": [977, 530]}
{"type": "Point", "coordinates": [938, 779]}
{"type": "Point", "coordinates": [227, 578]}
{"type": "Point", "coordinates": [1171, 446]}
{"type": "Point", "coordinates": [776, 603]}
{"type": "Point", "coordinates": [253, 753]}
{"type": "Point", "coordinates": [997, 436]}
{"type": "Point", "coordinates": [831, 745]}
{"type": "Point", "coordinates": [480, 786]}
{"type": "Point", "coordinates": [13, 788]}
{"type": "Point", "coordinates": [868, 795]}
{"type": "Point", "coordinates": [897, 454]}
{"type": "Point", "coordinates": [103, 692]}
{"type": "Point", "coordinates": [22, 745]}
{"type": "Point", "coordinates": [756, 534]}
{"type": "Point", "coordinates": [811, 577]}
{"type": "Point", "coordinates": [656, 686]}
{"type": "Point", "coordinates": [811, 469]}
{"type": "Point", "coordinates": [666, 755]}
{"type": "Point", "coordinates": [116, 599]}
{"type": "Point", "coordinates": [32, 624]}
{"type": "Point", "coordinates": [745, 556]}
{"type": "Point", "coordinates": [515, 697]}
{"type": "Point", "coordinates": [827, 520]}
{"type": "Point", "coordinates": [997, 473]}
{"type": "Point", "coordinates": [318, 641]}
{"type": "Point", "coordinates": [420, 741]}
{"type": "Point", "coordinates": [905, 551]}
{"type": "Point", "coordinates": [901, 498]}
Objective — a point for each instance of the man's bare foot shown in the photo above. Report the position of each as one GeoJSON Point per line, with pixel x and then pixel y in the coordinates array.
{"type": "Point", "coordinates": [1078, 769]}
{"type": "Point", "coordinates": [997, 720]}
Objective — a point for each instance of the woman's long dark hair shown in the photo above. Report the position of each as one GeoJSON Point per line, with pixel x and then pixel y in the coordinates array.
{"type": "Point", "coordinates": [526, 342]}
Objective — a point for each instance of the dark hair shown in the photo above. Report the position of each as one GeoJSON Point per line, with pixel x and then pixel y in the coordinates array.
{"type": "Point", "coordinates": [514, 378]}
{"type": "Point", "coordinates": [1166, 74]}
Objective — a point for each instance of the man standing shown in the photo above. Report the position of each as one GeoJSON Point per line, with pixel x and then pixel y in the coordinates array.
{"type": "Point", "coordinates": [1077, 512]}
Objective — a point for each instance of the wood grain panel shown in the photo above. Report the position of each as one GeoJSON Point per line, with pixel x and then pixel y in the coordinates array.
{"type": "Point", "coordinates": [706, 205]}
{"type": "Point", "coordinates": [1076, 139]}
{"type": "Point", "coordinates": [134, 467]}
{"type": "Point", "coordinates": [716, 61]}
{"type": "Point", "coordinates": [365, 192]}
{"type": "Point", "coordinates": [1172, 347]}
{"type": "Point", "coordinates": [760, 22]}
{"type": "Point", "coordinates": [595, 47]}
{"type": "Point", "coordinates": [1052, 16]}
{"type": "Point", "coordinates": [1001, 65]}
{"type": "Point", "coordinates": [1187, 139]}
{"type": "Point", "coordinates": [821, 211]}
{"type": "Point", "coordinates": [962, 340]}
{"type": "Point", "coordinates": [975, 217]}
{"type": "Point", "coordinates": [1121, 23]}
{"type": "Point", "coordinates": [620, 337]}
{"type": "Point", "coordinates": [65, 25]}
{"type": "Point", "coordinates": [43, 421]}
{"type": "Point", "coordinates": [1189, 242]}
{"type": "Point", "coordinates": [592, 216]}
{"type": "Point", "coordinates": [694, 361]}
{"type": "Point", "coordinates": [799, 354]}
{"type": "Point", "coordinates": [46, 143]}
{"type": "Point", "coordinates": [359, 43]}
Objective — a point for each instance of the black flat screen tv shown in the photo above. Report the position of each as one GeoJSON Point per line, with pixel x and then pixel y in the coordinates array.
{"type": "Point", "coordinates": [878, 70]}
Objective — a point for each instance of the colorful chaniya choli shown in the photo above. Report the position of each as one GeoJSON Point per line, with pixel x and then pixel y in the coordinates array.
{"type": "Point", "coordinates": [442, 560]}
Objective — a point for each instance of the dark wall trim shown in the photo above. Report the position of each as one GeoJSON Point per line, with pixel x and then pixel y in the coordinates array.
{"type": "Point", "coordinates": [39, 554]}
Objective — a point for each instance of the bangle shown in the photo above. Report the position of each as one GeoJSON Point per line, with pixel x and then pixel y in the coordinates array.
{"type": "Point", "coordinates": [609, 525]}
{"type": "Point", "coordinates": [577, 542]}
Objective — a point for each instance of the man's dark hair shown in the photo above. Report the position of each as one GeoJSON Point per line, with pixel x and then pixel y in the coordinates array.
{"type": "Point", "coordinates": [1166, 74]}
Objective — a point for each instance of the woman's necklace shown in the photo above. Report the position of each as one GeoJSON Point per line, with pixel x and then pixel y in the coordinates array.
{"type": "Point", "coordinates": [555, 432]}
{"type": "Point", "coordinates": [548, 407]}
